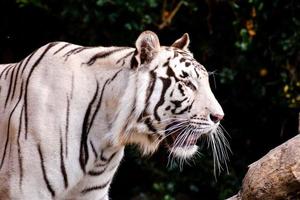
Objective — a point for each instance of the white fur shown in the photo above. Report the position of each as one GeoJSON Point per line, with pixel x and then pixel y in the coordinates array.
{"type": "Point", "coordinates": [56, 83]}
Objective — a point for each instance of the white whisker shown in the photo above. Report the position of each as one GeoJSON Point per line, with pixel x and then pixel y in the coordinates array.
{"type": "Point", "coordinates": [220, 147]}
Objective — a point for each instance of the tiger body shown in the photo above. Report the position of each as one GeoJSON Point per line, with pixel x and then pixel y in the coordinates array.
{"type": "Point", "coordinates": [67, 111]}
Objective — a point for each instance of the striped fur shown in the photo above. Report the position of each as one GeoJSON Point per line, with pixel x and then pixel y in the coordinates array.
{"type": "Point", "coordinates": [67, 111]}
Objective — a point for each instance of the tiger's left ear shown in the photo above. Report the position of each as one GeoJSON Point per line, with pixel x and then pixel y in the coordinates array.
{"type": "Point", "coordinates": [147, 45]}
{"type": "Point", "coordinates": [183, 42]}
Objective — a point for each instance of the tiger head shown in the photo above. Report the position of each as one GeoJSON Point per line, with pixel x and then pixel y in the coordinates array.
{"type": "Point", "coordinates": [175, 104]}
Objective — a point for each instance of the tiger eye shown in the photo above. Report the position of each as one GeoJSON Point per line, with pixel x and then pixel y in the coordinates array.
{"type": "Point", "coordinates": [190, 85]}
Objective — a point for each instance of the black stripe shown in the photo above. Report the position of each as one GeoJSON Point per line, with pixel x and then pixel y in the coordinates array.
{"type": "Point", "coordinates": [27, 61]}
{"type": "Point", "coordinates": [9, 87]}
{"type": "Point", "coordinates": [184, 74]}
{"type": "Point", "coordinates": [134, 63]}
{"type": "Point", "coordinates": [124, 57]}
{"type": "Point", "coordinates": [151, 86]}
{"type": "Point", "coordinates": [116, 74]}
{"type": "Point", "coordinates": [49, 187]}
{"type": "Point", "coordinates": [181, 89]}
{"type": "Point", "coordinates": [69, 53]}
{"type": "Point", "coordinates": [175, 54]}
{"type": "Point", "coordinates": [72, 86]}
{"type": "Point", "coordinates": [93, 188]}
{"type": "Point", "coordinates": [133, 106]}
{"type": "Point", "coordinates": [20, 157]}
{"type": "Point", "coordinates": [88, 123]}
{"type": "Point", "coordinates": [8, 130]}
{"type": "Point", "coordinates": [67, 125]}
{"type": "Point", "coordinates": [96, 173]}
{"type": "Point", "coordinates": [16, 78]}
{"type": "Point", "coordinates": [102, 158]}
{"type": "Point", "coordinates": [171, 73]}
{"type": "Point", "coordinates": [149, 92]}
{"type": "Point", "coordinates": [112, 156]}
{"type": "Point", "coordinates": [150, 125]}
{"type": "Point", "coordinates": [81, 49]}
{"type": "Point", "coordinates": [98, 105]}
{"type": "Point", "coordinates": [62, 163]}
{"type": "Point", "coordinates": [104, 54]}
{"type": "Point", "coordinates": [100, 164]}
{"type": "Point", "coordinates": [61, 48]}
{"type": "Point", "coordinates": [166, 84]}
{"type": "Point", "coordinates": [93, 149]}
{"type": "Point", "coordinates": [27, 83]}
{"type": "Point", "coordinates": [5, 69]}
{"type": "Point", "coordinates": [183, 110]}
{"type": "Point", "coordinates": [83, 156]}
{"type": "Point", "coordinates": [6, 143]}
{"type": "Point", "coordinates": [107, 160]}
{"type": "Point", "coordinates": [167, 63]}
{"type": "Point", "coordinates": [178, 103]}
{"type": "Point", "coordinates": [190, 106]}
{"type": "Point", "coordinates": [196, 72]}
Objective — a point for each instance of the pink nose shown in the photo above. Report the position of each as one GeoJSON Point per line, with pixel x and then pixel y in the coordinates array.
{"type": "Point", "coordinates": [216, 117]}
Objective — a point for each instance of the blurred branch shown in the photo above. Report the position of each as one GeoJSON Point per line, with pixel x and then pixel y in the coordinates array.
{"type": "Point", "coordinates": [167, 16]}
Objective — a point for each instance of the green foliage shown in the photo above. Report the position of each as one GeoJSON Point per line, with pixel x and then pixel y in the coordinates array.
{"type": "Point", "coordinates": [139, 14]}
{"type": "Point", "coordinates": [277, 47]}
{"type": "Point", "coordinates": [227, 75]}
{"type": "Point", "coordinates": [165, 189]}
{"type": "Point", "coordinates": [36, 3]}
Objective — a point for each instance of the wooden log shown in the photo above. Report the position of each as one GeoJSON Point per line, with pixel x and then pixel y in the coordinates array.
{"type": "Point", "coordinates": [276, 176]}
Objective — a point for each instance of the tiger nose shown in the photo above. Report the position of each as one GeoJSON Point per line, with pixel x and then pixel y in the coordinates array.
{"type": "Point", "coordinates": [216, 117]}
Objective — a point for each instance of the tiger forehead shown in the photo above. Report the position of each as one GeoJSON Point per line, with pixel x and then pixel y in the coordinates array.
{"type": "Point", "coordinates": [183, 62]}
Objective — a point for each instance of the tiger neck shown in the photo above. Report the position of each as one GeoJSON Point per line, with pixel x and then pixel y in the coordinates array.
{"type": "Point", "coordinates": [122, 99]}
{"type": "Point", "coordinates": [118, 92]}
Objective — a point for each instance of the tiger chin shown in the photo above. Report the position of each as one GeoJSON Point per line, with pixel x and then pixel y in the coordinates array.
{"type": "Point", "coordinates": [68, 111]}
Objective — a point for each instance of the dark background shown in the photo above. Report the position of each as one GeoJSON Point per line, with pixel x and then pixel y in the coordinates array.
{"type": "Point", "coordinates": [251, 45]}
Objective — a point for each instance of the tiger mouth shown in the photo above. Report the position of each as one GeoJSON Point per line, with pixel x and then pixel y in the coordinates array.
{"type": "Point", "coordinates": [178, 137]}
{"type": "Point", "coordinates": [189, 141]}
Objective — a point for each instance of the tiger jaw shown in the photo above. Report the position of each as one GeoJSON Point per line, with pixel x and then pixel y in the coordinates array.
{"type": "Point", "coordinates": [185, 149]}
{"type": "Point", "coordinates": [184, 152]}
{"type": "Point", "coordinates": [183, 141]}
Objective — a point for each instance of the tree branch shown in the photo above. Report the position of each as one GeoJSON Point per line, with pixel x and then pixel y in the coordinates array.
{"type": "Point", "coordinates": [166, 16]}
{"type": "Point", "coordinates": [274, 176]}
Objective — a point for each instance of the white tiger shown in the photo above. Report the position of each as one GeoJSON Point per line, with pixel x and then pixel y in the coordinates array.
{"type": "Point", "coordinates": [67, 111]}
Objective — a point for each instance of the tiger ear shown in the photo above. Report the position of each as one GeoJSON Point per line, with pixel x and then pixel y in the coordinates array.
{"type": "Point", "coordinates": [147, 45]}
{"type": "Point", "coordinates": [183, 42]}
